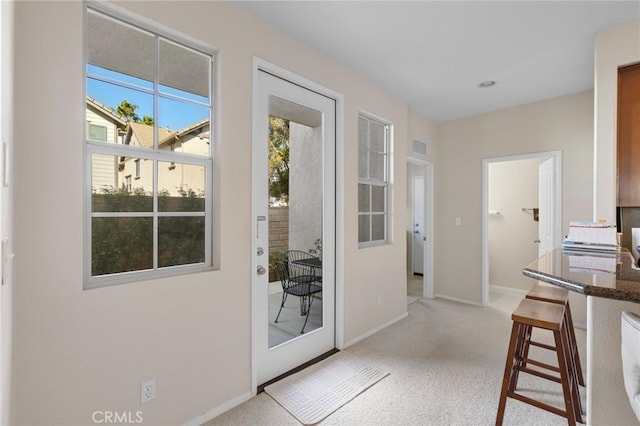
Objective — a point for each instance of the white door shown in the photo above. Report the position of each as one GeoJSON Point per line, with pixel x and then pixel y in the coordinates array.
{"type": "Point", "coordinates": [293, 171]}
{"type": "Point", "coordinates": [546, 188]}
{"type": "Point", "coordinates": [418, 225]}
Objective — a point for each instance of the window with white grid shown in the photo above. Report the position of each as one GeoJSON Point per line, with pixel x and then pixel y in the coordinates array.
{"type": "Point", "coordinates": [148, 205]}
{"type": "Point", "coordinates": [373, 181]}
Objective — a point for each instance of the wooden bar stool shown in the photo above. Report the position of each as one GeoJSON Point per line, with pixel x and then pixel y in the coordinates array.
{"type": "Point", "coordinates": [553, 294]}
{"type": "Point", "coordinates": [548, 316]}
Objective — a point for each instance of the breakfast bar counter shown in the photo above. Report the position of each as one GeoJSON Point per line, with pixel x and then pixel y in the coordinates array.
{"type": "Point", "coordinates": [610, 276]}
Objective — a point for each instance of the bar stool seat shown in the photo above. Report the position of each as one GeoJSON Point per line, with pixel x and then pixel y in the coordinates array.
{"type": "Point", "coordinates": [553, 294]}
{"type": "Point", "coordinates": [548, 316]}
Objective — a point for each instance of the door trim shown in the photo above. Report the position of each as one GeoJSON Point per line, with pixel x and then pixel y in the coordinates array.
{"type": "Point", "coordinates": [260, 64]}
{"type": "Point", "coordinates": [427, 277]}
{"type": "Point", "coordinates": [557, 207]}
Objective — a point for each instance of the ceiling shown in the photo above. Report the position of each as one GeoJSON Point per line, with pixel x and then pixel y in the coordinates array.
{"type": "Point", "coordinates": [433, 54]}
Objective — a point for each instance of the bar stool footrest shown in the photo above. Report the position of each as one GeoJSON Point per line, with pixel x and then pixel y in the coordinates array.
{"type": "Point", "coordinates": [535, 403]}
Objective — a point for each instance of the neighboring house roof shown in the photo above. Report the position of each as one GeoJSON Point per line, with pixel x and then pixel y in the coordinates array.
{"type": "Point", "coordinates": [143, 133]}
{"type": "Point", "coordinates": [107, 112]}
{"type": "Point", "coordinates": [194, 127]}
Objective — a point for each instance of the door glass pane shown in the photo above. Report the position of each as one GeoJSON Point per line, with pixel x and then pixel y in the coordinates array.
{"type": "Point", "coordinates": [295, 220]}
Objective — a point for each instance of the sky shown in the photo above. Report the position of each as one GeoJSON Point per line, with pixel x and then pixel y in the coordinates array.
{"type": "Point", "coordinates": [172, 113]}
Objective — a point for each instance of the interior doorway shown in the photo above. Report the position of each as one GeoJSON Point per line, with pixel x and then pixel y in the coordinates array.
{"type": "Point", "coordinates": [521, 217]}
{"type": "Point", "coordinates": [419, 228]}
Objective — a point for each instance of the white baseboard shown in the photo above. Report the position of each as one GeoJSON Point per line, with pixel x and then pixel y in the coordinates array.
{"type": "Point", "coordinates": [455, 299]}
{"type": "Point", "coordinates": [215, 412]}
{"type": "Point", "coordinates": [374, 331]}
{"type": "Point", "coordinates": [509, 289]}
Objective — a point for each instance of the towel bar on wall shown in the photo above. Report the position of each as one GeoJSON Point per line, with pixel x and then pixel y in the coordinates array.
{"type": "Point", "coordinates": [535, 210]}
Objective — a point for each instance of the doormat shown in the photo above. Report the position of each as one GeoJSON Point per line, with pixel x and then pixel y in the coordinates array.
{"type": "Point", "coordinates": [317, 391]}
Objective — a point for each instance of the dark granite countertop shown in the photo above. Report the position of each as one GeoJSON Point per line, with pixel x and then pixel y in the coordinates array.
{"type": "Point", "coordinates": [590, 274]}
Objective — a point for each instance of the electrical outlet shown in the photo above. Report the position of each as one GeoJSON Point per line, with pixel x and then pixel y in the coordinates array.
{"type": "Point", "coordinates": [148, 391]}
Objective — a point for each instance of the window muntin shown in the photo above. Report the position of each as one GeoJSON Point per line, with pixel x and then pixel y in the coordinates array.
{"type": "Point", "coordinates": [160, 223]}
{"type": "Point", "coordinates": [373, 181]}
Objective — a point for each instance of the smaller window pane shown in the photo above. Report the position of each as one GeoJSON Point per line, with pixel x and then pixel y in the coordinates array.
{"type": "Point", "coordinates": [378, 198]}
{"type": "Point", "coordinates": [364, 198]}
{"type": "Point", "coordinates": [377, 227]}
{"type": "Point", "coordinates": [363, 163]}
{"type": "Point", "coordinates": [376, 166]}
{"type": "Point", "coordinates": [120, 50]}
{"type": "Point", "coordinates": [132, 105]}
{"type": "Point", "coordinates": [185, 124]}
{"type": "Point", "coordinates": [180, 241]}
{"type": "Point", "coordinates": [363, 132]}
{"type": "Point", "coordinates": [113, 190]}
{"type": "Point", "coordinates": [184, 72]}
{"type": "Point", "coordinates": [121, 244]}
{"type": "Point", "coordinates": [364, 226]}
{"type": "Point", "coordinates": [181, 187]}
{"type": "Point", "coordinates": [376, 136]}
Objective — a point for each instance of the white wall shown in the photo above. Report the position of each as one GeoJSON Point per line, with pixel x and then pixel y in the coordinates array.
{"type": "Point", "coordinates": [513, 185]}
{"type": "Point", "coordinates": [79, 351]}
{"type": "Point", "coordinates": [564, 123]}
{"type": "Point", "coordinates": [606, 400]}
{"type": "Point", "coordinates": [6, 209]}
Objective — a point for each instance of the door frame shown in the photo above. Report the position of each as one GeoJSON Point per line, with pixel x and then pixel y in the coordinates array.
{"type": "Point", "coordinates": [557, 207]}
{"type": "Point", "coordinates": [427, 276]}
{"type": "Point", "coordinates": [260, 64]}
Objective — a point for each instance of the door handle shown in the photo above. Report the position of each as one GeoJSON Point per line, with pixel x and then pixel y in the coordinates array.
{"type": "Point", "coordinates": [260, 251]}
{"type": "Point", "coordinates": [261, 270]}
{"type": "Point", "coordinates": [536, 241]}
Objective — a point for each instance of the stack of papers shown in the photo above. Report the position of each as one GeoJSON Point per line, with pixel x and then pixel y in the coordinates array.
{"type": "Point", "coordinates": [591, 237]}
{"type": "Point", "coordinates": [595, 263]}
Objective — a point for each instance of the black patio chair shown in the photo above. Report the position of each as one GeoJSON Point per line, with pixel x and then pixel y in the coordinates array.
{"type": "Point", "coordinates": [293, 256]}
{"type": "Point", "coordinates": [300, 281]}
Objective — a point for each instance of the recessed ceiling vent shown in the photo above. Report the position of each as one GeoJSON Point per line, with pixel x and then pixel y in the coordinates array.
{"type": "Point", "coordinates": [419, 147]}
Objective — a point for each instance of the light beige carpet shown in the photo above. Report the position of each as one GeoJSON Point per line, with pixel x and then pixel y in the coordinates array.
{"type": "Point", "coordinates": [445, 363]}
{"type": "Point", "coordinates": [316, 392]}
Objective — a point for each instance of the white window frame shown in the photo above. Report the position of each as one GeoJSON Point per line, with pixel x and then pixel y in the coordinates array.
{"type": "Point", "coordinates": [385, 183]}
{"type": "Point", "coordinates": [155, 155]}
